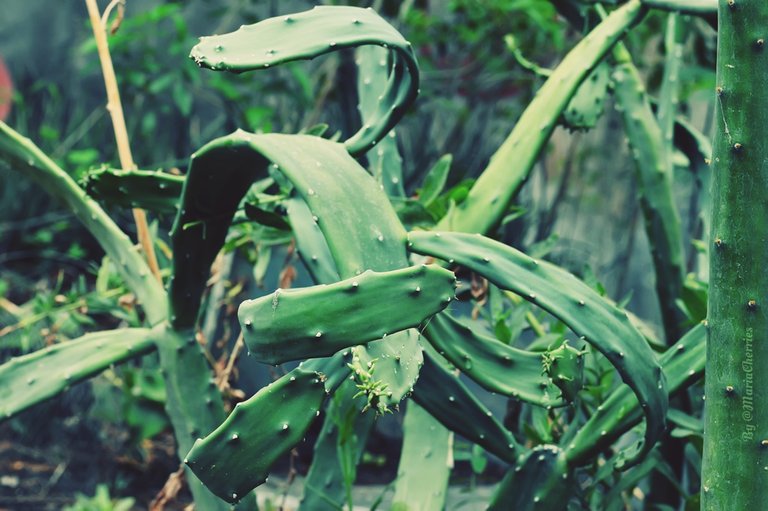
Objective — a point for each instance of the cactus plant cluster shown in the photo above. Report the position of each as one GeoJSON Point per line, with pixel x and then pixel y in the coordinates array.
{"type": "Point", "coordinates": [378, 329]}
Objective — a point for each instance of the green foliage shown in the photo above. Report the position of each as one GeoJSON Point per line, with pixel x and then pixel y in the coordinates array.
{"type": "Point", "coordinates": [100, 501]}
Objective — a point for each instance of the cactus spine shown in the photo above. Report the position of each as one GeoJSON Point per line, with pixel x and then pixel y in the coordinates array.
{"type": "Point", "coordinates": [735, 465]}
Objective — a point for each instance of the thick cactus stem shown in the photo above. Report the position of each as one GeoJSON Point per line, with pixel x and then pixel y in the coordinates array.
{"type": "Point", "coordinates": [735, 465]}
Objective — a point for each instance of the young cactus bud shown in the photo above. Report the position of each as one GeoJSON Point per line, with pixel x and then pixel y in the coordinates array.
{"type": "Point", "coordinates": [565, 365]}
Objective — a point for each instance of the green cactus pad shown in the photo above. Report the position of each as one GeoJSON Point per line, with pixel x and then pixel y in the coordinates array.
{"type": "Point", "coordinates": [237, 456]}
{"type": "Point", "coordinates": [384, 160]}
{"type": "Point", "coordinates": [320, 320]}
{"type": "Point", "coordinates": [588, 103]}
{"type": "Point", "coordinates": [653, 161]}
{"type": "Point", "coordinates": [33, 378]}
{"type": "Point", "coordinates": [147, 189]}
{"type": "Point", "coordinates": [560, 293]}
{"type": "Point", "coordinates": [489, 198]}
{"type": "Point", "coordinates": [328, 179]}
{"type": "Point", "coordinates": [495, 366]}
{"type": "Point", "coordinates": [312, 33]}
{"type": "Point", "coordinates": [540, 481]}
{"type": "Point", "coordinates": [682, 364]}
{"type": "Point", "coordinates": [310, 243]}
{"type": "Point", "coordinates": [448, 400]}
{"type": "Point", "coordinates": [426, 462]}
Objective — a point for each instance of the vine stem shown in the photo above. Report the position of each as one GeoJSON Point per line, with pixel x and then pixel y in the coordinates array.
{"type": "Point", "coordinates": [115, 109]}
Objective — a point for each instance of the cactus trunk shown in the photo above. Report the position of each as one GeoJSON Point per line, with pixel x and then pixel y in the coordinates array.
{"type": "Point", "coordinates": [735, 466]}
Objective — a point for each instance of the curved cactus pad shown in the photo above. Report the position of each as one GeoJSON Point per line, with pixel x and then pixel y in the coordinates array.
{"type": "Point", "coordinates": [448, 400]}
{"type": "Point", "coordinates": [237, 456]}
{"type": "Point", "coordinates": [310, 243]}
{"type": "Point", "coordinates": [494, 365]}
{"type": "Point", "coordinates": [147, 189]}
{"type": "Point", "coordinates": [600, 323]}
{"type": "Point", "coordinates": [33, 378]}
{"type": "Point", "coordinates": [540, 481]}
{"type": "Point", "coordinates": [324, 175]}
{"type": "Point", "coordinates": [312, 33]}
{"type": "Point", "coordinates": [681, 363]}
{"type": "Point", "coordinates": [320, 320]}
{"type": "Point", "coordinates": [490, 196]}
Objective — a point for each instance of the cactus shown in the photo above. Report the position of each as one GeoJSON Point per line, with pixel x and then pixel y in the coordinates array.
{"type": "Point", "coordinates": [489, 198]}
{"type": "Point", "coordinates": [541, 480]}
{"type": "Point", "coordinates": [651, 148]}
{"type": "Point", "coordinates": [565, 365]}
{"type": "Point", "coordinates": [237, 456]}
{"type": "Point", "coordinates": [685, 6]}
{"type": "Point", "coordinates": [384, 160]}
{"type": "Point", "coordinates": [318, 321]}
{"type": "Point", "coordinates": [338, 449]}
{"type": "Point", "coordinates": [309, 34]}
{"type": "Point", "coordinates": [604, 326]}
{"type": "Point", "coordinates": [425, 464]}
{"type": "Point", "coordinates": [682, 363]}
{"type": "Point", "coordinates": [20, 154]}
{"type": "Point", "coordinates": [483, 359]}
{"type": "Point", "coordinates": [588, 103]}
{"type": "Point", "coordinates": [147, 189]}
{"type": "Point", "coordinates": [369, 248]}
{"type": "Point", "coordinates": [310, 243]}
{"type": "Point", "coordinates": [37, 376]}
{"type": "Point", "coordinates": [221, 172]}
{"type": "Point", "coordinates": [735, 415]}
{"type": "Point", "coordinates": [448, 400]}
{"type": "Point", "coordinates": [187, 373]}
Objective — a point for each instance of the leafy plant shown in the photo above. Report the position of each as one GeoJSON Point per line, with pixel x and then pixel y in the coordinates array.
{"type": "Point", "coordinates": [100, 501]}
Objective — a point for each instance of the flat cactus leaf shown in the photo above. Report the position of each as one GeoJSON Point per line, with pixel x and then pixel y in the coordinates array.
{"type": "Point", "coordinates": [426, 461]}
{"type": "Point", "coordinates": [310, 243]}
{"type": "Point", "coordinates": [21, 154]}
{"type": "Point", "coordinates": [323, 173]}
{"type": "Point", "coordinates": [312, 33]}
{"type": "Point", "coordinates": [153, 190]}
{"type": "Point", "coordinates": [237, 456]}
{"type": "Point", "coordinates": [652, 152]}
{"type": "Point", "coordinates": [384, 160]}
{"type": "Point", "coordinates": [588, 103]}
{"type": "Point", "coordinates": [330, 182]}
{"type": "Point", "coordinates": [493, 365]}
{"type": "Point", "coordinates": [320, 320]}
{"type": "Point", "coordinates": [488, 200]}
{"type": "Point", "coordinates": [193, 402]}
{"type": "Point", "coordinates": [40, 375]}
{"type": "Point", "coordinates": [448, 400]}
{"type": "Point", "coordinates": [560, 293]}
{"type": "Point", "coordinates": [682, 364]}
{"type": "Point", "coordinates": [539, 481]}
{"type": "Point", "coordinates": [398, 359]}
